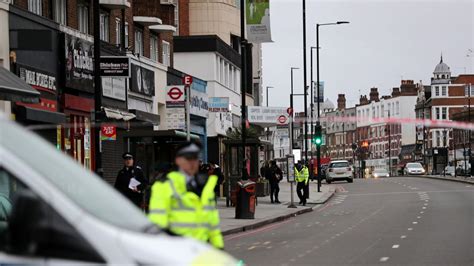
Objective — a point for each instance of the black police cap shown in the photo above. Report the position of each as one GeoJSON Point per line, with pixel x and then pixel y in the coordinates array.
{"type": "Point", "coordinates": [127, 155]}
{"type": "Point", "coordinates": [189, 150]}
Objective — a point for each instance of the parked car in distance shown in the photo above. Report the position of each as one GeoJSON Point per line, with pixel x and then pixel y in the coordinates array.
{"type": "Point", "coordinates": [414, 169]}
{"type": "Point", "coordinates": [380, 172]}
{"type": "Point", "coordinates": [449, 170]}
{"type": "Point", "coordinates": [339, 170]}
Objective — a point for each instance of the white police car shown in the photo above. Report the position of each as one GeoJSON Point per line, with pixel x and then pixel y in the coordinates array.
{"type": "Point", "coordinates": [54, 212]}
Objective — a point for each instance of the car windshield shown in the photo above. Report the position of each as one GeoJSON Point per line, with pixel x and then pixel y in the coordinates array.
{"type": "Point", "coordinates": [414, 165]}
{"type": "Point", "coordinates": [339, 164]}
{"type": "Point", "coordinates": [84, 188]}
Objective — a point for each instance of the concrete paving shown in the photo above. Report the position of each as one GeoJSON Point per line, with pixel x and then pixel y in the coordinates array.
{"type": "Point", "coordinates": [388, 221]}
{"type": "Point", "coordinates": [266, 212]}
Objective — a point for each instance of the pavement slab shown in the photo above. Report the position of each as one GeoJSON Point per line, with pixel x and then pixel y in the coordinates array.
{"type": "Point", "coordinates": [267, 213]}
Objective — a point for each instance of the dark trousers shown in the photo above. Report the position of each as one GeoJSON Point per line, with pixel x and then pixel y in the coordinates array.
{"type": "Point", "coordinates": [274, 190]}
{"type": "Point", "coordinates": [301, 191]}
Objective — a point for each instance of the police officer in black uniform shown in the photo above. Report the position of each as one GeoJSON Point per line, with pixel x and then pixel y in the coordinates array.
{"type": "Point", "coordinates": [124, 183]}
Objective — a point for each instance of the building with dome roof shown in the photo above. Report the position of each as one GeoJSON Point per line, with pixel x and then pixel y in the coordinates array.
{"type": "Point", "coordinates": [449, 95]}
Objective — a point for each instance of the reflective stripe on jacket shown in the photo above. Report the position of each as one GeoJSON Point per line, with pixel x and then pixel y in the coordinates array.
{"type": "Point", "coordinates": [184, 213]}
{"type": "Point", "coordinates": [303, 175]}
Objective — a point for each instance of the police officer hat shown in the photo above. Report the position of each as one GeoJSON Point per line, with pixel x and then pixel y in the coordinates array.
{"type": "Point", "coordinates": [189, 150]}
{"type": "Point", "coordinates": [127, 155]}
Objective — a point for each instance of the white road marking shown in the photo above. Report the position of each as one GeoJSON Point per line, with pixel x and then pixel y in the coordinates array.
{"type": "Point", "coordinates": [292, 260]}
{"type": "Point", "coordinates": [424, 208]}
{"type": "Point", "coordinates": [269, 247]}
{"type": "Point", "coordinates": [426, 204]}
{"type": "Point", "coordinates": [266, 243]}
{"type": "Point", "coordinates": [403, 237]}
{"type": "Point", "coordinates": [410, 229]}
{"type": "Point", "coordinates": [422, 212]}
{"type": "Point", "coordinates": [414, 222]}
{"type": "Point", "coordinates": [395, 246]}
{"type": "Point", "coordinates": [250, 248]}
{"type": "Point", "coordinates": [418, 217]}
{"type": "Point", "coordinates": [383, 259]}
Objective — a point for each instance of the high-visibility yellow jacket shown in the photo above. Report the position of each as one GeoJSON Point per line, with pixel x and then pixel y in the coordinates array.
{"type": "Point", "coordinates": [303, 175]}
{"type": "Point", "coordinates": [184, 213]}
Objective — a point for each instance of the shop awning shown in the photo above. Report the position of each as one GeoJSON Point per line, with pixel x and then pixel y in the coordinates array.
{"type": "Point", "coordinates": [14, 89]}
{"type": "Point", "coordinates": [24, 113]}
{"type": "Point", "coordinates": [118, 114]}
{"type": "Point", "coordinates": [153, 119]}
{"type": "Point", "coordinates": [159, 133]}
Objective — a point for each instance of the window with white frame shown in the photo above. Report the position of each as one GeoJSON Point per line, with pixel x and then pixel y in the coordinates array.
{"type": "Point", "coordinates": [154, 47]}
{"type": "Point", "coordinates": [221, 79]}
{"type": "Point", "coordinates": [104, 27]}
{"type": "Point", "coordinates": [35, 6]}
{"type": "Point", "coordinates": [83, 18]}
{"type": "Point", "coordinates": [444, 91]}
{"type": "Point", "coordinates": [166, 53]}
{"type": "Point", "coordinates": [438, 113]}
{"type": "Point", "coordinates": [218, 67]}
{"type": "Point", "coordinates": [138, 48]}
{"type": "Point", "coordinates": [59, 12]}
{"type": "Point", "coordinates": [118, 32]}
{"type": "Point", "coordinates": [444, 113]}
{"type": "Point", "coordinates": [438, 139]}
{"type": "Point", "coordinates": [466, 91]}
{"type": "Point", "coordinates": [231, 77]}
{"type": "Point", "coordinates": [436, 90]}
{"type": "Point", "coordinates": [126, 34]}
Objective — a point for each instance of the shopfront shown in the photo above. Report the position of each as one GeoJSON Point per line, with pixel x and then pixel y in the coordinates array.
{"type": "Point", "coordinates": [35, 62]}
{"type": "Point", "coordinates": [78, 98]}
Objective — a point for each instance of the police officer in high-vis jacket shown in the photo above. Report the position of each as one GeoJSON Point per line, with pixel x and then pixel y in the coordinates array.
{"type": "Point", "coordinates": [183, 202]}
{"type": "Point", "coordinates": [302, 179]}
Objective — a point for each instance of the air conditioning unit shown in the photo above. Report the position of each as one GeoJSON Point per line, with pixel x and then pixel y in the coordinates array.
{"type": "Point", "coordinates": [168, 2]}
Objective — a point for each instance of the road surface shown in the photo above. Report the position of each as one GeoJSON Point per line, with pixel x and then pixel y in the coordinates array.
{"type": "Point", "coordinates": [391, 221]}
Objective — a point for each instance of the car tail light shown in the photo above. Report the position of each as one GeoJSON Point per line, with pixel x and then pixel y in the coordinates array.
{"type": "Point", "coordinates": [330, 169]}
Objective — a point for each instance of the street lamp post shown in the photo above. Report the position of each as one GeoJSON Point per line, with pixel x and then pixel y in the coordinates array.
{"type": "Point", "coordinates": [243, 86]}
{"type": "Point", "coordinates": [312, 108]}
{"type": "Point", "coordinates": [268, 87]}
{"type": "Point", "coordinates": [291, 106]}
{"type": "Point", "coordinates": [318, 82]}
{"type": "Point", "coordinates": [305, 88]}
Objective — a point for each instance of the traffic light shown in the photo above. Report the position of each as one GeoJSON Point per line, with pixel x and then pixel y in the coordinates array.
{"type": "Point", "coordinates": [317, 139]}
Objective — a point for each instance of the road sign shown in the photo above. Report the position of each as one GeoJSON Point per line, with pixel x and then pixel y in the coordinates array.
{"type": "Point", "coordinates": [289, 111]}
{"type": "Point", "coordinates": [175, 96]}
{"type": "Point", "coordinates": [281, 119]}
{"type": "Point", "coordinates": [187, 80]}
{"type": "Point", "coordinates": [175, 93]}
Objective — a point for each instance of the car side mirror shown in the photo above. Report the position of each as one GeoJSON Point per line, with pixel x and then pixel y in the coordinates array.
{"type": "Point", "coordinates": [29, 214]}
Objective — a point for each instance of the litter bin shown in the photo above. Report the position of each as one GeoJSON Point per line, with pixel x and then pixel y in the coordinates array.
{"type": "Point", "coordinates": [245, 207]}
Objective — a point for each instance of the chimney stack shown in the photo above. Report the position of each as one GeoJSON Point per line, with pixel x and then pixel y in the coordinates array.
{"type": "Point", "coordinates": [341, 101]}
{"type": "Point", "coordinates": [395, 92]}
{"type": "Point", "coordinates": [363, 100]}
{"type": "Point", "coordinates": [374, 95]}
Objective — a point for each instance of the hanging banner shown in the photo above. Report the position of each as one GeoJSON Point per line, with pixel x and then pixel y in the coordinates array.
{"type": "Point", "coordinates": [108, 132]}
{"type": "Point", "coordinates": [258, 21]}
{"type": "Point", "coordinates": [321, 92]}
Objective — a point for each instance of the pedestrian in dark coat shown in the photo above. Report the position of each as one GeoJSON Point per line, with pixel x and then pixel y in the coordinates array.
{"type": "Point", "coordinates": [274, 176]}
{"type": "Point", "coordinates": [124, 183]}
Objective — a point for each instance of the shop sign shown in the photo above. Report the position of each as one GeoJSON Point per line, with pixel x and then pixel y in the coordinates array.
{"type": "Point", "coordinates": [108, 132]}
{"type": "Point", "coordinates": [175, 96]}
{"type": "Point", "coordinates": [115, 66]}
{"type": "Point", "coordinates": [219, 104]}
{"type": "Point", "coordinates": [199, 103]}
{"type": "Point", "coordinates": [142, 80]}
{"type": "Point", "coordinates": [79, 63]}
{"type": "Point", "coordinates": [37, 79]}
{"type": "Point", "coordinates": [114, 88]}
{"type": "Point", "coordinates": [267, 115]}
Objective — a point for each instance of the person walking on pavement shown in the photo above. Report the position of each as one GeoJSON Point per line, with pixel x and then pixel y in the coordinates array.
{"type": "Point", "coordinates": [183, 202]}
{"type": "Point", "coordinates": [274, 176]}
{"type": "Point", "coordinates": [130, 180]}
{"type": "Point", "coordinates": [302, 179]}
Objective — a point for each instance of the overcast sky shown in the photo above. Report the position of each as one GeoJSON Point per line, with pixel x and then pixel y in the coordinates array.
{"type": "Point", "coordinates": [385, 42]}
